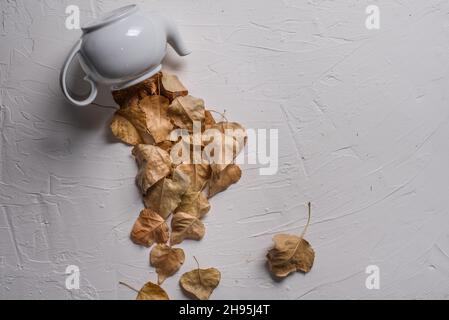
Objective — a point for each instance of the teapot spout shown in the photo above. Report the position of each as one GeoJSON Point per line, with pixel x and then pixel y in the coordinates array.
{"type": "Point", "coordinates": [174, 37]}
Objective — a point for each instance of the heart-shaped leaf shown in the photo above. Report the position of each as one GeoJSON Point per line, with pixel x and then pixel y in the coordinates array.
{"type": "Point", "coordinates": [149, 227]}
{"type": "Point", "coordinates": [186, 226]}
{"type": "Point", "coordinates": [167, 193]}
{"type": "Point", "coordinates": [166, 260]}
{"type": "Point", "coordinates": [152, 291]}
{"type": "Point", "coordinates": [200, 283]}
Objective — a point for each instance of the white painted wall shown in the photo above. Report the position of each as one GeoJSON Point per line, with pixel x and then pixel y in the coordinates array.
{"type": "Point", "coordinates": [364, 134]}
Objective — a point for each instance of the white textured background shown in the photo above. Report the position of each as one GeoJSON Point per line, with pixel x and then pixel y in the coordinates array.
{"type": "Point", "coordinates": [363, 120]}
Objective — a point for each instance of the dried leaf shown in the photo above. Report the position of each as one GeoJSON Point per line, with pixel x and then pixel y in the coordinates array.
{"type": "Point", "coordinates": [221, 180]}
{"type": "Point", "coordinates": [199, 174]}
{"type": "Point", "coordinates": [125, 130]}
{"type": "Point", "coordinates": [135, 115]}
{"type": "Point", "coordinates": [167, 193]}
{"type": "Point", "coordinates": [166, 260]}
{"type": "Point", "coordinates": [194, 203]}
{"type": "Point", "coordinates": [152, 291]}
{"type": "Point", "coordinates": [154, 164]}
{"type": "Point", "coordinates": [149, 117]}
{"type": "Point", "coordinates": [142, 89]}
{"type": "Point", "coordinates": [149, 228]}
{"type": "Point", "coordinates": [223, 142]}
{"type": "Point", "coordinates": [172, 87]}
{"type": "Point", "coordinates": [290, 253]}
{"type": "Point", "coordinates": [186, 226]}
{"type": "Point", "coordinates": [157, 121]}
{"type": "Point", "coordinates": [200, 283]}
{"type": "Point", "coordinates": [185, 110]}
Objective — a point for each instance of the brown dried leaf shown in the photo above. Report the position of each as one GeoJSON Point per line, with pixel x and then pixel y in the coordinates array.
{"type": "Point", "coordinates": [200, 283]}
{"type": "Point", "coordinates": [194, 203]}
{"type": "Point", "coordinates": [223, 142]}
{"type": "Point", "coordinates": [149, 117]}
{"type": "Point", "coordinates": [125, 130]}
{"type": "Point", "coordinates": [186, 226]}
{"type": "Point", "coordinates": [171, 87]}
{"type": "Point", "coordinates": [154, 164]}
{"type": "Point", "coordinates": [157, 121]}
{"type": "Point", "coordinates": [221, 180]}
{"type": "Point", "coordinates": [167, 193]}
{"type": "Point", "coordinates": [149, 228]}
{"type": "Point", "coordinates": [152, 291]}
{"type": "Point", "coordinates": [142, 89]}
{"type": "Point", "coordinates": [132, 112]}
{"type": "Point", "coordinates": [199, 174]}
{"type": "Point", "coordinates": [290, 253]}
{"type": "Point", "coordinates": [185, 110]}
{"type": "Point", "coordinates": [166, 260]}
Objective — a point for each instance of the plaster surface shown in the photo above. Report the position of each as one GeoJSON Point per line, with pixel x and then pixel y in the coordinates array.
{"type": "Point", "coordinates": [363, 124]}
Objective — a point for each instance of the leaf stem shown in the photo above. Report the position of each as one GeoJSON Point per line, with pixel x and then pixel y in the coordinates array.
{"type": "Point", "coordinates": [309, 205]}
{"type": "Point", "coordinates": [127, 285]}
{"type": "Point", "coordinates": [198, 269]}
{"type": "Point", "coordinates": [222, 114]}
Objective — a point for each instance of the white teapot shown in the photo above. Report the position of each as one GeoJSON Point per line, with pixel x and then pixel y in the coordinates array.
{"type": "Point", "coordinates": [122, 48]}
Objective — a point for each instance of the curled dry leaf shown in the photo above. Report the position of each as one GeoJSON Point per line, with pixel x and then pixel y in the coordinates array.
{"type": "Point", "coordinates": [200, 283]}
{"type": "Point", "coordinates": [123, 129]}
{"type": "Point", "coordinates": [154, 165]}
{"type": "Point", "coordinates": [152, 291]}
{"type": "Point", "coordinates": [186, 110]}
{"type": "Point", "coordinates": [221, 180]}
{"type": "Point", "coordinates": [149, 228]}
{"type": "Point", "coordinates": [186, 226]}
{"type": "Point", "coordinates": [166, 260]}
{"type": "Point", "coordinates": [171, 87]}
{"type": "Point", "coordinates": [145, 88]}
{"type": "Point", "coordinates": [194, 203]}
{"type": "Point", "coordinates": [165, 196]}
{"type": "Point", "coordinates": [290, 253]}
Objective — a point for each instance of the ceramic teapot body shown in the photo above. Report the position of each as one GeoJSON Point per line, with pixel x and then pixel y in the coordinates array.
{"type": "Point", "coordinates": [122, 48]}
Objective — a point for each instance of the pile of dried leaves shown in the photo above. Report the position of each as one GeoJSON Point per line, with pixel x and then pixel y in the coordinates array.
{"type": "Point", "coordinates": [175, 193]}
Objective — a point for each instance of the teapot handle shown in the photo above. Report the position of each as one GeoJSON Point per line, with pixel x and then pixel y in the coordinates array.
{"type": "Point", "coordinates": [62, 80]}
